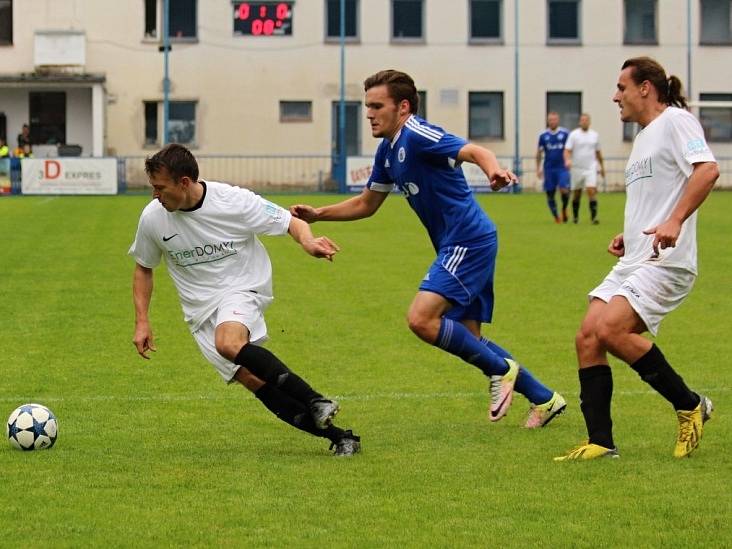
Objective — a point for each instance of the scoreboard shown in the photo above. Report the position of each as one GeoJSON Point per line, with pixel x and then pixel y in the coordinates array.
{"type": "Point", "coordinates": [263, 18]}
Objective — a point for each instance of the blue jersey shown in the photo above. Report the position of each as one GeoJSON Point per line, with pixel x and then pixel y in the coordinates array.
{"type": "Point", "coordinates": [552, 142]}
{"type": "Point", "coordinates": [422, 162]}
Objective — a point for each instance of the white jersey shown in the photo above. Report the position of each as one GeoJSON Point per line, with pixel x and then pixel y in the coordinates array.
{"type": "Point", "coordinates": [212, 250]}
{"type": "Point", "coordinates": [656, 176]}
{"type": "Point", "coordinates": [584, 146]}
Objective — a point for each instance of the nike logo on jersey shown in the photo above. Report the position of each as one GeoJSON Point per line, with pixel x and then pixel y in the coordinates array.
{"type": "Point", "coordinates": [166, 238]}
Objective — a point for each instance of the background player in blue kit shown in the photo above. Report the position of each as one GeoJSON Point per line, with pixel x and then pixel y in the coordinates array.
{"type": "Point", "coordinates": [456, 294]}
{"type": "Point", "coordinates": [554, 173]}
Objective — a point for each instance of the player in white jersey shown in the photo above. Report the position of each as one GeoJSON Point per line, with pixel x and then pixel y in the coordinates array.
{"type": "Point", "coordinates": [582, 157]}
{"type": "Point", "coordinates": [669, 174]}
{"type": "Point", "coordinates": [207, 234]}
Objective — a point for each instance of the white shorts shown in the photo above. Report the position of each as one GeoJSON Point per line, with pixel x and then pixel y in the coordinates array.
{"type": "Point", "coordinates": [582, 178]}
{"type": "Point", "coordinates": [653, 291]}
{"type": "Point", "coordinates": [247, 309]}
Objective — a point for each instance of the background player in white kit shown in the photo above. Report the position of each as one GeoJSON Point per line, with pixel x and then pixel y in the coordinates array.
{"type": "Point", "coordinates": [581, 157]}
{"type": "Point", "coordinates": [669, 174]}
{"type": "Point", "coordinates": [206, 232]}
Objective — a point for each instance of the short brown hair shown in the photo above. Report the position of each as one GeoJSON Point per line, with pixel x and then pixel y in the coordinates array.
{"type": "Point", "coordinates": [669, 89]}
{"type": "Point", "coordinates": [177, 159]}
{"type": "Point", "coordinates": [399, 84]}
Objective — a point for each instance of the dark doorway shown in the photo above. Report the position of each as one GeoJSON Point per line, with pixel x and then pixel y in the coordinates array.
{"type": "Point", "coordinates": [47, 117]}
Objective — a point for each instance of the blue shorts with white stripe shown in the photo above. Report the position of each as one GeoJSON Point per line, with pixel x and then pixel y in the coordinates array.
{"type": "Point", "coordinates": [463, 274]}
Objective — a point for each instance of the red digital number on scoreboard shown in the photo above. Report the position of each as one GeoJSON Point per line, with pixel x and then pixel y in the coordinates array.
{"type": "Point", "coordinates": [263, 18]}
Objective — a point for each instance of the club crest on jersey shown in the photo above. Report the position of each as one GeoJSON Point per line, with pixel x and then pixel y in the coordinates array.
{"type": "Point", "coordinates": [402, 154]}
{"type": "Point", "coordinates": [410, 189]}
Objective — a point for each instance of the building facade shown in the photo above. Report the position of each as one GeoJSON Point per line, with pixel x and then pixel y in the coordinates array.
{"type": "Point", "coordinates": [264, 78]}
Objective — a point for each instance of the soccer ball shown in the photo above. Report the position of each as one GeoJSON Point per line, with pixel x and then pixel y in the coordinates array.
{"type": "Point", "coordinates": [32, 427]}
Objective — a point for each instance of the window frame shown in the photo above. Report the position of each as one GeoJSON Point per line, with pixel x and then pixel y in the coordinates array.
{"type": "Point", "coordinates": [502, 136]}
{"type": "Point", "coordinates": [630, 130]}
{"type": "Point", "coordinates": [157, 37]}
{"type": "Point", "coordinates": [640, 41]}
{"type": "Point", "coordinates": [481, 40]}
{"type": "Point", "coordinates": [422, 110]}
{"type": "Point", "coordinates": [550, 41]}
{"type": "Point", "coordinates": [159, 125]}
{"type": "Point", "coordinates": [289, 119]}
{"type": "Point", "coordinates": [549, 109]}
{"type": "Point", "coordinates": [331, 39]}
{"type": "Point", "coordinates": [705, 42]}
{"type": "Point", "coordinates": [422, 39]}
{"type": "Point", "coordinates": [716, 96]}
{"type": "Point", "coordinates": [9, 40]}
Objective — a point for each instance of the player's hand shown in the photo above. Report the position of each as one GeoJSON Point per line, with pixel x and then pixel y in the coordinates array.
{"type": "Point", "coordinates": [617, 246]}
{"type": "Point", "coordinates": [321, 246]}
{"type": "Point", "coordinates": [304, 212]}
{"type": "Point", "coordinates": [539, 174]}
{"type": "Point", "coordinates": [502, 178]}
{"type": "Point", "coordinates": [665, 235]}
{"type": "Point", "coordinates": [143, 340]}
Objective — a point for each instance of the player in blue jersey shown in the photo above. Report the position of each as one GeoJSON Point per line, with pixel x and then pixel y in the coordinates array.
{"type": "Point", "coordinates": [456, 295]}
{"type": "Point", "coordinates": [553, 172]}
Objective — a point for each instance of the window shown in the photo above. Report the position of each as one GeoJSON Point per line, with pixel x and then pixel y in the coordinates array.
{"type": "Point", "coordinates": [563, 21]}
{"type": "Point", "coordinates": [485, 20]}
{"type": "Point", "coordinates": [181, 122]}
{"type": "Point", "coordinates": [151, 122]}
{"type": "Point", "coordinates": [407, 19]}
{"type": "Point", "coordinates": [422, 108]}
{"type": "Point", "coordinates": [568, 105]}
{"type": "Point", "coordinates": [716, 121]}
{"type": "Point", "coordinates": [47, 117]}
{"type": "Point", "coordinates": [640, 22]}
{"type": "Point", "coordinates": [6, 21]}
{"type": "Point", "coordinates": [296, 111]}
{"type": "Point", "coordinates": [485, 115]}
{"type": "Point", "coordinates": [716, 22]}
{"type": "Point", "coordinates": [333, 20]}
{"type": "Point", "coordinates": [182, 19]}
{"type": "Point", "coordinates": [151, 18]}
{"type": "Point", "coordinates": [630, 130]}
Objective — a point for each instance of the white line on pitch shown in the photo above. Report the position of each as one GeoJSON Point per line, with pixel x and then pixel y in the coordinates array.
{"type": "Point", "coordinates": [227, 395]}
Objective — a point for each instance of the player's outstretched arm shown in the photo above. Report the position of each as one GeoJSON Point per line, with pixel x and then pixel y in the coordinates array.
{"type": "Point", "coordinates": [700, 184]}
{"type": "Point", "coordinates": [321, 246]}
{"type": "Point", "coordinates": [357, 207]}
{"type": "Point", "coordinates": [487, 162]}
{"type": "Point", "coordinates": [142, 288]}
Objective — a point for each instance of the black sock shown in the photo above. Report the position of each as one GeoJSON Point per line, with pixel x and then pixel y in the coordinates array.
{"type": "Point", "coordinates": [565, 200]}
{"type": "Point", "coordinates": [575, 208]}
{"type": "Point", "coordinates": [593, 209]}
{"type": "Point", "coordinates": [552, 203]}
{"type": "Point", "coordinates": [267, 367]}
{"type": "Point", "coordinates": [596, 391]}
{"type": "Point", "coordinates": [656, 371]}
{"type": "Point", "coordinates": [294, 413]}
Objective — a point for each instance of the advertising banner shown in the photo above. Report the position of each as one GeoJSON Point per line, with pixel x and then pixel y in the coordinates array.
{"type": "Point", "coordinates": [69, 176]}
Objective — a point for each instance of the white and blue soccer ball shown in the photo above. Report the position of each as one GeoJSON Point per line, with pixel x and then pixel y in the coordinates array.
{"type": "Point", "coordinates": [32, 427]}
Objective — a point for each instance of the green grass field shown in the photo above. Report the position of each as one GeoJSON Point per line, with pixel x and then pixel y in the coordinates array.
{"type": "Point", "coordinates": [162, 453]}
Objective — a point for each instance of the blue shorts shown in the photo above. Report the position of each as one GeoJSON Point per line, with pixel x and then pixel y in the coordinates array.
{"type": "Point", "coordinates": [554, 178]}
{"type": "Point", "coordinates": [463, 274]}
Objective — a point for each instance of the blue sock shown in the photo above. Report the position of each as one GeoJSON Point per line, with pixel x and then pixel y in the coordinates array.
{"type": "Point", "coordinates": [526, 383]}
{"type": "Point", "coordinates": [457, 340]}
{"type": "Point", "coordinates": [551, 201]}
{"type": "Point", "coordinates": [500, 351]}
